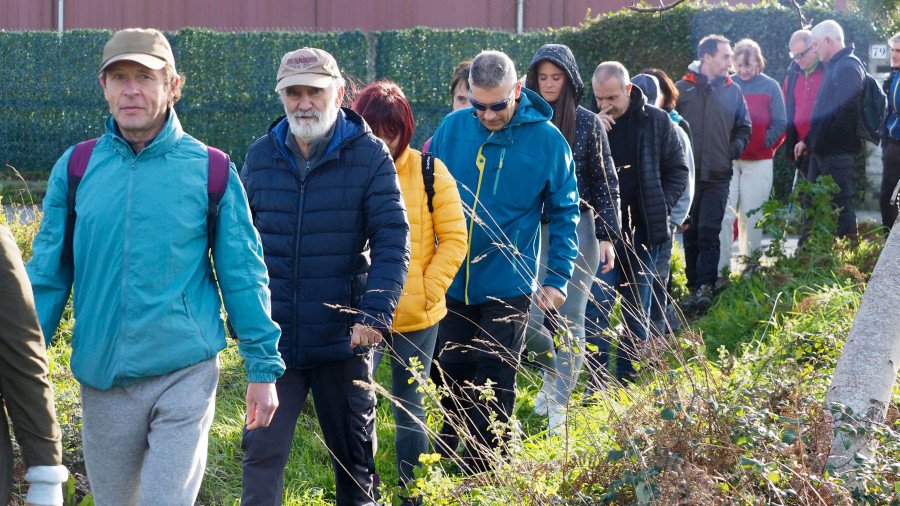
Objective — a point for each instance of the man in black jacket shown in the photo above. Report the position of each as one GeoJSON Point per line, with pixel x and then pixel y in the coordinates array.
{"type": "Point", "coordinates": [832, 141]}
{"type": "Point", "coordinates": [715, 108]}
{"type": "Point", "coordinates": [652, 176]}
{"type": "Point", "coordinates": [326, 200]}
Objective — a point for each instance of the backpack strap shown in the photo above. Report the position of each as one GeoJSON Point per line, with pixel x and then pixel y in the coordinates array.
{"type": "Point", "coordinates": [78, 162]}
{"type": "Point", "coordinates": [428, 177]}
{"type": "Point", "coordinates": [217, 183]}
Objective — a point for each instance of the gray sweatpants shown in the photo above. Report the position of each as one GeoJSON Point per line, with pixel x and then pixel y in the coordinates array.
{"type": "Point", "coordinates": [147, 443]}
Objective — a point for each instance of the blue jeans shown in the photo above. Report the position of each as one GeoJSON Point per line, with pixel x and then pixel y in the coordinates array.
{"type": "Point", "coordinates": [633, 280]}
{"type": "Point", "coordinates": [411, 439]}
{"type": "Point", "coordinates": [701, 240]}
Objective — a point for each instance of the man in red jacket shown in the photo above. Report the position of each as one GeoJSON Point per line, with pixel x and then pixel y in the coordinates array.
{"type": "Point", "coordinates": [801, 85]}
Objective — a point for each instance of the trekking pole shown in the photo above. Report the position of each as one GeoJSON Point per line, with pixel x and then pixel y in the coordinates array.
{"type": "Point", "coordinates": [793, 186]}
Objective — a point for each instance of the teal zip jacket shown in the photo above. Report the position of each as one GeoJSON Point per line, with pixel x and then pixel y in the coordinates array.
{"type": "Point", "coordinates": [506, 179]}
{"type": "Point", "coordinates": [145, 300]}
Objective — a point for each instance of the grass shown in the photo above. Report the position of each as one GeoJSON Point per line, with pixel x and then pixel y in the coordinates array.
{"type": "Point", "coordinates": [728, 412]}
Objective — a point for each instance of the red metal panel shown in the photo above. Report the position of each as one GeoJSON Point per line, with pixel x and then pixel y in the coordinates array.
{"type": "Point", "coordinates": [307, 15]}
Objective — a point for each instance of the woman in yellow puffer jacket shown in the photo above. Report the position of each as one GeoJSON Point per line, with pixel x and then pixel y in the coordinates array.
{"type": "Point", "coordinates": [438, 247]}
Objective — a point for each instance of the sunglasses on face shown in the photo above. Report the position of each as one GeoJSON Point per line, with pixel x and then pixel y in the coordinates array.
{"type": "Point", "coordinates": [496, 106]}
{"type": "Point", "coordinates": [801, 54]}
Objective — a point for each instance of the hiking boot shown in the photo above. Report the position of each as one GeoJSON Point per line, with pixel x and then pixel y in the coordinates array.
{"type": "Point", "coordinates": [689, 303]}
{"type": "Point", "coordinates": [704, 298]}
{"type": "Point", "coordinates": [559, 418]}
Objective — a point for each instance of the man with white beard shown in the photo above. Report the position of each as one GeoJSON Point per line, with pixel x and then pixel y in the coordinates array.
{"type": "Point", "coordinates": [325, 198]}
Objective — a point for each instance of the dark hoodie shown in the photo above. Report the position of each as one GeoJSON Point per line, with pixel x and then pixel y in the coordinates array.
{"type": "Point", "coordinates": [658, 174]}
{"type": "Point", "coordinates": [598, 185]}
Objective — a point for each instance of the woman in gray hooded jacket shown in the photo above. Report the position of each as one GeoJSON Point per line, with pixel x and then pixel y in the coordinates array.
{"type": "Point", "coordinates": [553, 74]}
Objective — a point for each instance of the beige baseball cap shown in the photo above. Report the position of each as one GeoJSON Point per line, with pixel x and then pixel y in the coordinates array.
{"type": "Point", "coordinates": [307, 67]}
{"type": "Point", "coordinates": [145, 46]}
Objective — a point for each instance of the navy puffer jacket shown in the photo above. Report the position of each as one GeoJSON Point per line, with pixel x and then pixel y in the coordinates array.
{"type": "Point", "coordinates": [336, 245]}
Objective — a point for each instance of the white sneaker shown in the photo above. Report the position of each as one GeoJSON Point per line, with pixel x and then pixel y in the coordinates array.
{"type": "Point", "coordinates": [541, 400]}
{"type": "Point", "coordinates": [559, 418]}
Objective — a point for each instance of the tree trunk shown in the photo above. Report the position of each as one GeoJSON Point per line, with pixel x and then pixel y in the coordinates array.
{"type": "Point", "coordinates": [865, 373]}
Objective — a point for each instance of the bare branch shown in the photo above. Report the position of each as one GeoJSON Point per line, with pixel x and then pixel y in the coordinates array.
{"type": "Point", "coordinates": [804, 23]}
{"type": "Point", "coordinates": [662, 6]}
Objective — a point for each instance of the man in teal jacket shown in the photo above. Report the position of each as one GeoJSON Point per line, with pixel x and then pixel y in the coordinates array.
{"type": "Point", "coordinates": [147, 309]}
{"type": "Point", "coordinates": [511, 165]}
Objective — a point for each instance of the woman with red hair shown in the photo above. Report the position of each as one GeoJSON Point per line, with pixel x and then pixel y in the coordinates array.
{"type": "Point", "coordinates": [438, 247]}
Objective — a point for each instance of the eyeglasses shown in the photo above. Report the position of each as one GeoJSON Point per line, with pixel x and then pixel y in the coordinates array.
{"type": "Point", "coordinates": [496, 106]}
{"type": "Point", "coordinates": [801, 54]}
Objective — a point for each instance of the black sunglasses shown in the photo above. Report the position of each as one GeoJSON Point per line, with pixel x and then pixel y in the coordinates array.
{"type": "Point", "coordinates": [496, 106]}
{"type": "Point", "coordinates": [801, 54]}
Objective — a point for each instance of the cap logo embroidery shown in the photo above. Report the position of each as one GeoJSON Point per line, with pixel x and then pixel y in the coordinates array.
{"type": "Point", "coordinates": [302, 62]}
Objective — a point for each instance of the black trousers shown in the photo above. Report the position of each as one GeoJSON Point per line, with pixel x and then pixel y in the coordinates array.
{"type": "Point", "coordinates": [701, 239]}
{"type": "Point", "coordinates": [346, 413]}
{"type": "Point", "coordinates": [481, 343]}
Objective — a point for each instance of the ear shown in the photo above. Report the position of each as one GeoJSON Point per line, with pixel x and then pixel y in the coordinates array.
{"type": "Point", "coordinates": [339, 96]}
{"type": "Point", "coordinates": [628, 88]}
{"type": "Point", "coordinates": [518, 89]}
{"type": "Point", "coordinates": [102, 81]}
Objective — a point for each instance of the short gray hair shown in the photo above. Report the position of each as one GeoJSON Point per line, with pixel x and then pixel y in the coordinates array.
{"type": "Point", "coordinates": [830, 29]}
{"type": "Point", "coordinates": [609, 69]}
{"type": "Point", "coordinates": [491, 69]}
{"type": "Point", "coordinates": [895, 38]}
{"type": "Point", "coordinates": [804, 36]}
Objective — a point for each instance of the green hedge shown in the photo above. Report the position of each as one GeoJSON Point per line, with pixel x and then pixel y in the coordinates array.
{"type": "Point", "coordinates": [51, 97]}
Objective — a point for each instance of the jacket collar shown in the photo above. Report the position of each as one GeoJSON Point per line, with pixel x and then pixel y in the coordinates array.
{"type": "Point", "coordinates": [170, 134]}
{"type": "Point", "coordinates": [694, 76]}
{"type": "Point", "coordinates": [350, 125]}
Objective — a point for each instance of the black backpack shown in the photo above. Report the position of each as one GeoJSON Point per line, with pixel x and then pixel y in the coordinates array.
{"type": "Point", "coordinates": [872, 109]}
{"type": "Point", "coordinates": [428, 177]}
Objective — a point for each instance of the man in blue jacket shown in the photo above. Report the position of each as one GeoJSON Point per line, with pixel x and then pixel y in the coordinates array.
{"type": "Point", "coordinates": [148, 326]}
{"type": "Point", "coordinates": [510, 164]}
{"type": "Point", "coordinates": [326, 200]}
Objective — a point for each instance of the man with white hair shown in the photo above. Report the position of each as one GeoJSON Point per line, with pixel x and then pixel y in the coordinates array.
{"type": "Point", "coordinates": [832, 141]}
{"type": "Point", "coordinates": [511, 164]}
{"type": "Point", "coordinates": [325, 197]}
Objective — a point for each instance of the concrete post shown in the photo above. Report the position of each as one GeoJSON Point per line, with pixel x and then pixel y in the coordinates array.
{"type": "Point", "coordinates": [864, 376]}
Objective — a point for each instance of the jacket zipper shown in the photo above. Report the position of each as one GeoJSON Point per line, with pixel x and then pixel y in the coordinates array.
{"type": "Point", "coordinates": [126, 247]}
{"type": "Point", "coordinates": [294, 329]}
{"type": "Point", "coordinates": [498, 169]}
{"type": "Point", "coordinates": [480, 160]}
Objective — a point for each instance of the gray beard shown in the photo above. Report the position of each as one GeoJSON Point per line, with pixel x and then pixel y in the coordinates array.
{"type": "Point", "coordinates": [308, 131]}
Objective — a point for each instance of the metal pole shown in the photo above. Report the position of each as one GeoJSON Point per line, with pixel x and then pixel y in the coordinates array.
{"type": "Point", "coordinates": [61, 8]}
{"type": "Point", "coordinates": [520, 15]}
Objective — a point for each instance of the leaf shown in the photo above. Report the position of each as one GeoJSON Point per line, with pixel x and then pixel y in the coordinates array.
{"type": "Point", "coordinates": [774, 476]}
{"type": "Point", "coordinates": [668, 414]}
{"type": "Point", "coordinates": [789, 436]}
{"type": "Point", "coordinates": [614, 455]}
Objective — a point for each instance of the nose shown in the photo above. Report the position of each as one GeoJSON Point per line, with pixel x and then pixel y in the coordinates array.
{"type": "Point", "coordinates": [490, 115]}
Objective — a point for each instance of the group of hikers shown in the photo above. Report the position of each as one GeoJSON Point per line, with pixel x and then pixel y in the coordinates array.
{"type": "Point", "coordinates": [338, 245]}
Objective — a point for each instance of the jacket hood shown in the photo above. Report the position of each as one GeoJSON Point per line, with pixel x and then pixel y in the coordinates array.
{"type": "Point", "coordinates": [562, 57]}
{"type": "Point", "coordinates": [637, 99]}
{"type": "Point", "coordinates": [532, 108]}
{"type": "Point", "coordinates": [350, 125]}
{"type": "Point", "coordinates": [694, 76]}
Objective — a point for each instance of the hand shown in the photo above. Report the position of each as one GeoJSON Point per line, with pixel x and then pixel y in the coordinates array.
{"type": "Point", "coordinates": [262, 400]}
{"type": "Point", "coordinates": [607, 120]}
{"type": "Point", "coordinates": [799, 149]}
{"type": "Point", "coordinates": [607, 256]}
{"type": "Point", "coordinates": [363, 335]}
{"type": "Point", "coordinates": [683, 227]}
{"type": "Point", "coordinates": [549, 297]}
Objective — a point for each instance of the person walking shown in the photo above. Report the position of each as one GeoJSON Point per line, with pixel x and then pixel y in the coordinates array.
{"type": "Point", "coordinates": [553, 74]}
{"type": "Point", "coordinates": [437, 249]}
